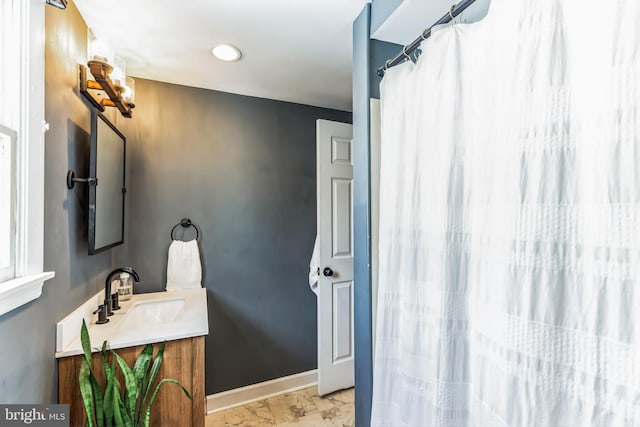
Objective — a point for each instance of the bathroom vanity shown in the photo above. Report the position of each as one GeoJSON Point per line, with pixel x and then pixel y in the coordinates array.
{"type": "Point", "coordinates": [179, 318]}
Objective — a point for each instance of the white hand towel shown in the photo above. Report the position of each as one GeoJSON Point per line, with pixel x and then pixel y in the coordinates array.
{"type": "Point", "coordinates": [314, 276]}
{"type": "Point", "coordinates": [183, 266]}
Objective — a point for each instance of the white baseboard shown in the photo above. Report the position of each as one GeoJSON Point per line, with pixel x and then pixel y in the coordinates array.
{"type": "Point", "coordinates": [252, 393]}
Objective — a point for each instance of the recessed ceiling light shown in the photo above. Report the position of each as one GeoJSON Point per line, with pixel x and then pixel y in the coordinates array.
{"type": "Point", "coordinates": [226, 52]}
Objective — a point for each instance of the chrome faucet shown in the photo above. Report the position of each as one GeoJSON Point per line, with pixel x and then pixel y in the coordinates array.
{"type": "Point", "coordinates": [111, 301]}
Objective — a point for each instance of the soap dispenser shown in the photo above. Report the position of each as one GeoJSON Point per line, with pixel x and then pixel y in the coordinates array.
{"type": "Point", "coordinates": [125, 287]}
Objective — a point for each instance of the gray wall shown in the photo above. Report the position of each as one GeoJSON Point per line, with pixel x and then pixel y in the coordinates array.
{"type": "Point", "coordinates": [380, 12]}
{"type": "Point", "coordinates": [27, 366]}
{"type": "Point", "coordinates": [380, 53]}
{"type": "Point", "coordinates": [368, 55]}
{"type": "Point", "coordinates": [362, 218]}
{"type": "Point", "coordinates": [243, 169]}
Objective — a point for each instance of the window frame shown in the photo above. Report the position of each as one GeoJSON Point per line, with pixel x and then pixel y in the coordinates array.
{"type": "Point", "coordinates": [29, 162]}
{"type": "Point", "coordinates": [9, 272]}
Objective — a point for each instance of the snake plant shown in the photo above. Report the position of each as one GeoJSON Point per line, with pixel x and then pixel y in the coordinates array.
{"type": "Point", "coordinates": [115, 405]}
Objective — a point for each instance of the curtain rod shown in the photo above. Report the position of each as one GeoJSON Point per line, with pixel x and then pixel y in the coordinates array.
{"type": "Point", "coordinates": [455, 10]}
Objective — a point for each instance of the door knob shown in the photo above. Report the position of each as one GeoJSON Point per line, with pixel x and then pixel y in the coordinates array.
{"type": "Point", "coordinates": [327, 272]}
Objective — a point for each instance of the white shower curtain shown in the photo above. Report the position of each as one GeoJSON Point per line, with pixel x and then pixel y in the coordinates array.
{"type": "Point", "coordinates": [510, 222]}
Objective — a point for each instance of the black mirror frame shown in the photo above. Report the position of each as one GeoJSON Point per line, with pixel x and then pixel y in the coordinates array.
{"type": "Point", "coordinates": [93, 172]}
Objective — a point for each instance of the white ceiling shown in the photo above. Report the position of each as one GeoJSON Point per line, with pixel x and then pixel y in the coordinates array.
{"type": "Point", "coordinates": [293, 50]}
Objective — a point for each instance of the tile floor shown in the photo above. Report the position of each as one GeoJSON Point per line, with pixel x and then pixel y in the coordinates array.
{"type": "Point", "coordinates": [300, 408]}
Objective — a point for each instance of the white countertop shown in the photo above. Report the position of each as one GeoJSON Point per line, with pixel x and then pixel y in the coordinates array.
{"type": "Point", "coordinates": [122, 331]}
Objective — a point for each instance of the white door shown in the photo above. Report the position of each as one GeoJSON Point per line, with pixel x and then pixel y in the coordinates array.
{"type": "Point", "coordinates": [335, 247]}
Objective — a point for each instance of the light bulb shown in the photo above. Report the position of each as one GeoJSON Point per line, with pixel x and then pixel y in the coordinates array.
{"type": "Point", "coordinates": [226, 52]}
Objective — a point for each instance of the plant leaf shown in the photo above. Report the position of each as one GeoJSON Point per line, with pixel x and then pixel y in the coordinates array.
{"type": "Point", "coordinates": [154, 370]}
{"type": "Point", "coordinates": [86, 391]}
{"type": "Point", "coordinates": [102, 401]}
{"type": "Point", "coordinates": [86, 343]}
{"type": "Point", "coordinates": [117, 416]}
{"type": "Point", "coordinates": [97, 399]}
{"type": "Point", "coordinates": [120, 415]}
{"type": "Point", "coordinates": [147, 415]}
{"type": "Point", "coordinates": [140, 371]}
{"type": "Point", "coordinates": [105, 362]}
{"type": "Point", "coordinates": [131, 394]}
{"type": "Point", "coordinates": [143, 361]}
{"type": "Point", "coordinates": [108, 392]}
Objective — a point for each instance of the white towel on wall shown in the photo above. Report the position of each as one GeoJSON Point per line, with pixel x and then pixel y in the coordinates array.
{"type": "Point", "coordinates": [183, 266]}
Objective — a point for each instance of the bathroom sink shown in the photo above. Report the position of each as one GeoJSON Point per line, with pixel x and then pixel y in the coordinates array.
{"type": "Point", "coordinates": [153, 312]}
{"type": "Point", "coordinates": [146, 318]}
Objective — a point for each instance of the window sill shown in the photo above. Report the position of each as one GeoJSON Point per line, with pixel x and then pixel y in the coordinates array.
{"type": "Point", "coordinates": [19, 291]}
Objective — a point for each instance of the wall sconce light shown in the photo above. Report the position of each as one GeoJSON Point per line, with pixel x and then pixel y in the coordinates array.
{"type": "Point", "coordinates": [60, 4]}
{"type": "Point", "coordinates": [103, 92]}
{"type": "Point", "coordinates": [110, 86]}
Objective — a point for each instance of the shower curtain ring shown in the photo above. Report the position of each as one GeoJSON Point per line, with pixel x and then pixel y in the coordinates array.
{"type": "Point", "coordinates": [453, 18]}
{"type": "Point", "coordinates": [406, 55]}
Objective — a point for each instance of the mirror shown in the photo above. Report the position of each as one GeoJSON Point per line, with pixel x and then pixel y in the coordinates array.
{"type": "Point", "coordinates": [106, 197]}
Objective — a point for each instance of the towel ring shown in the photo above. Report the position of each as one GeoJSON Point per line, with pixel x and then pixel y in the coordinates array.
{"type": "Point", "coordinates": [186, 223]}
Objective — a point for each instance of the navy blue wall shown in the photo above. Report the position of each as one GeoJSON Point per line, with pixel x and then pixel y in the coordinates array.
{"type": "Point", "coordinates": [244, 170]}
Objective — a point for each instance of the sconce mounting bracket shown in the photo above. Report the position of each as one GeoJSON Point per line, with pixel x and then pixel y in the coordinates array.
{"type": "Point", "coordinates": [71, 180]}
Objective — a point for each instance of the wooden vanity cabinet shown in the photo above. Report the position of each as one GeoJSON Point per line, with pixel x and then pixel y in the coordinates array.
{"type": "Point", "coordinates": [183, 361]}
